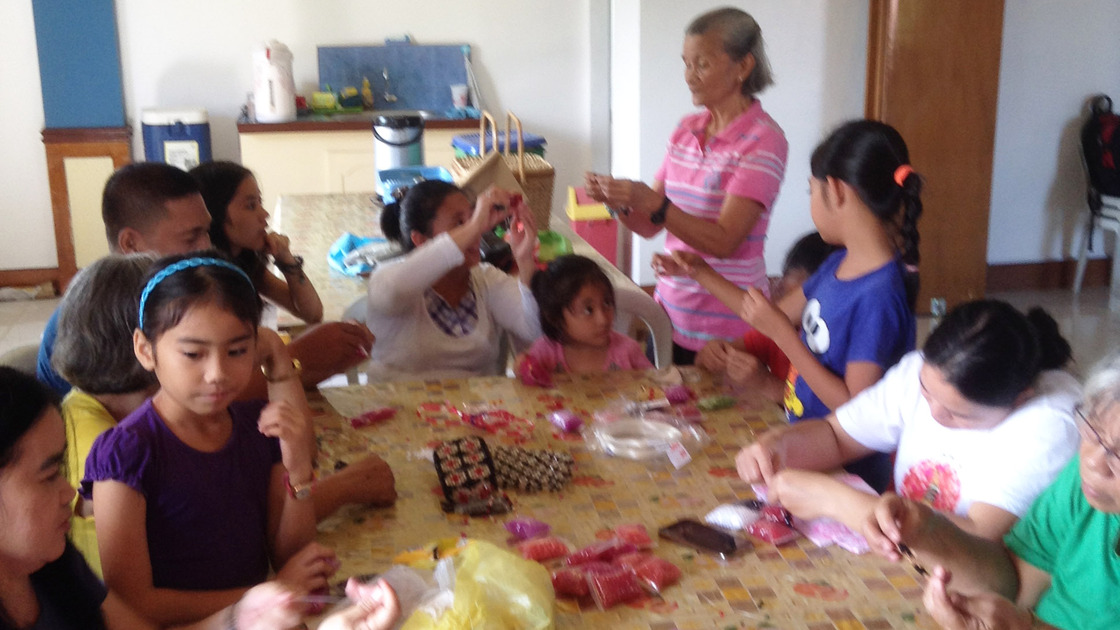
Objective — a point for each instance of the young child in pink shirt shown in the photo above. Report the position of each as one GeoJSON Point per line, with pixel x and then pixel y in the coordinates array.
{"type": "Point", "coordinates": [576, 301]}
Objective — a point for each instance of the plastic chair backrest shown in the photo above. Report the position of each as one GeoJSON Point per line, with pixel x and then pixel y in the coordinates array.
{"type": "Point", "coordinates": [632, 302]}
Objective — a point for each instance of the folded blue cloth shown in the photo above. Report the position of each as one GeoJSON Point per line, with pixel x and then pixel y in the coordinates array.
{"type": "Point", "coordinates": [346, 244]}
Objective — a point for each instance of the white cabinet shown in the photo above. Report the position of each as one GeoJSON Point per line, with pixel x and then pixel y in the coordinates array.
{"type": "Point", "coordinates": [320, 162]}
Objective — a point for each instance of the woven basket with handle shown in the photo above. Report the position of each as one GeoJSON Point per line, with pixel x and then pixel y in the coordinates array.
{"type": "Point", "coordinates": [532, 171]}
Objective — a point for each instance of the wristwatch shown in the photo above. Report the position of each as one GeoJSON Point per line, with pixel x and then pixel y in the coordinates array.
{"type": "Point", "coordinates": [296, 266]}
{"type": "Point", "coordinates": [299, 491]}
{"type": "Point", "coordinates": [657, 217]}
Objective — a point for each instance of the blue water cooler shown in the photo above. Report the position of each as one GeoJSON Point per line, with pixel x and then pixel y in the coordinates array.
{"type": "Point", "coordinates": [180, 137]}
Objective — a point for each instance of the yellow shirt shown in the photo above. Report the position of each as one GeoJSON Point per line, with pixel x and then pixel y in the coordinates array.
{"type": "Point", "coordinates": [85, 419]}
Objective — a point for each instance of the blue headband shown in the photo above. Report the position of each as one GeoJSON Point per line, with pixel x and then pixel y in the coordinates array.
{"type": "Point", "coordinates": [188, 263]}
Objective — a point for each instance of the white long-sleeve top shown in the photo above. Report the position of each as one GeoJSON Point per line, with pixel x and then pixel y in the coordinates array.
{"type": "Point", "coordinates": [410, 346]}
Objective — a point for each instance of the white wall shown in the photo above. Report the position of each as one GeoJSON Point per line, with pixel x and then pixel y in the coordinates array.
{"type": "Point", "coordinates": [817, 49]}
{"type": "Point", "coordinates": [27, 232]}
{"type": "Point", "coordinates": [1055, 55]}
{"type": "Point", "coordinates": [535, 57]}
{"type": "Point", "coordinates": [530, 57]}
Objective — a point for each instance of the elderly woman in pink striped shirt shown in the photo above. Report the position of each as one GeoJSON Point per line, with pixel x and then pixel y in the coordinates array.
{"type": "Point", "coordinates": [718, 182]}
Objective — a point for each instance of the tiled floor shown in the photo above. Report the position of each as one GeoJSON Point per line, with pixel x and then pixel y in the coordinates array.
{"type": "Point", "coordinates": [1090, 327]}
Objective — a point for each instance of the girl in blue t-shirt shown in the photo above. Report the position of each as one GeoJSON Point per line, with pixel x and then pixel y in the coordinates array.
{"type": "Point", "coordinates": [853, 318]}
{"type": "Point", "coordinates": [195, 495]}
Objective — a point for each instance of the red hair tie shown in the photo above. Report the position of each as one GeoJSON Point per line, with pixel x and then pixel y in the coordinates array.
{"type": "Point", "coordinates": [901, 173]}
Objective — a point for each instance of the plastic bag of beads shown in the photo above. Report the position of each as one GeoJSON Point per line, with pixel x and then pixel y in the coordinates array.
{"type": "Point", "coordinates": [615, 587]}
{"type": "Point", "coordinates": [635, 534]}
{"type": "Point", "coordinates": [602, 551]}
{"type": "Point", "coordinates": [526, 528]}
{"type": "Point", "coordinates": [570, 582]}
{"type": "Point", "coordinates": [657, 574]}
{"type": "Point", "coordinates": [542, 549]}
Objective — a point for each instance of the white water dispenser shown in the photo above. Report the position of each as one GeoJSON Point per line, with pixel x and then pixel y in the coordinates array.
{"type": "Point", "coordinates": [274, 89]}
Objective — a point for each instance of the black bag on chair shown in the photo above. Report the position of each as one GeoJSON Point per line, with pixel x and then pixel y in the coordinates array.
{"type": "Point", "coordinates": [1100, 145]}
{"type": "Point", "coordinates": [1100, 140]}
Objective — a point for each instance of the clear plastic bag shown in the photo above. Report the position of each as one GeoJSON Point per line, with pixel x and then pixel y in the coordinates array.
{"type": "Point", "coordinates": [641, 432]}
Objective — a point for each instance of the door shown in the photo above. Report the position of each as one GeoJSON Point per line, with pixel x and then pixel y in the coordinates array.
{"type": "Point", "coordinates": [933, 73]}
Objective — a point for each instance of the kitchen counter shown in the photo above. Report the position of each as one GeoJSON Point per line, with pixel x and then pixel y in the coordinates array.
{"type": "Point", "coordinates": [350, 122]}
{"type": "Point", "coordinates": [319, 154]}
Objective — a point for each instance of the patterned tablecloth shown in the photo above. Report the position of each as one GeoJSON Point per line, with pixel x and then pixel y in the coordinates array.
{"type": "Point", "coordinates": [797, 586]}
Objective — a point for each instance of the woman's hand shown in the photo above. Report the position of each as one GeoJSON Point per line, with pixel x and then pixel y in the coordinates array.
{"type": "Point", "coordinates": [375, 608]}
{"type": "Point", "coordinates": [491, 208]}
{"type": "Point", "coordinates": [896, 520]}
{"type": "Point", "coordinates": [278, 247]}
{"type": "Point", "coordinates": [758, 311]}
{"type": "Point", "coordinates": [370, 481]}
{"type": "Point", "coordinates": [804, 493]}
{"type": "Point", "coordinates": [623, 193]}
{"type": "Point", "coordinates": [282, 420]}
{"type": "Point", "coordinates": [309, 569]}
{"type": "Point", "coordinates": [266, 607]}
{"type": "Point", "coordinates": [331, 348]}
{"type": "Point", "coordinates": [758, 462]}
{"type": "Point", "coordinates": [713, 356]}
{"type": "Point", "coordinates": [983, 611]}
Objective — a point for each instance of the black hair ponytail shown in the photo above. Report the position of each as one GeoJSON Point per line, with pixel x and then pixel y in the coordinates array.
{"type": "Point", "coordinates": [415, 211]}
{"type": "Point", "coordinates": [391, 222]}
{"type": "Point", "coordinates": [911, 212]}
{"type": "Point", "coordinates": [868, 155]}
{"type": "Point", "coordinates": [991, 353]}
{"type": "Point", "coordinates": [1054, 351]}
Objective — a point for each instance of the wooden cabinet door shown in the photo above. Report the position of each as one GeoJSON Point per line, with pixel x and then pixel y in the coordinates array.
{"type": "Point", "coordinates": [933, 73]}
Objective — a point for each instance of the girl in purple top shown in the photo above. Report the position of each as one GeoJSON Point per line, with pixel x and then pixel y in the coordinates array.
{"type": "Point", "coordinates": [46, 583]}
{"type": "Point", "coordinates": [576, 301]}
{"type": "Point", "coordinates": [718, 182]}
{"type": "Point", "coordinates": [196, 496]}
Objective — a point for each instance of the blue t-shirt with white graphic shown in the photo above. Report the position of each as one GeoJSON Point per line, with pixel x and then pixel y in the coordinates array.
{"type": "Point", "coordinates": [862, 319]}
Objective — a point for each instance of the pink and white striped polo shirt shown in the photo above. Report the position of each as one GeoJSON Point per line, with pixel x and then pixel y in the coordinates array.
{"type": "Point", "coordinates": [746, 159]}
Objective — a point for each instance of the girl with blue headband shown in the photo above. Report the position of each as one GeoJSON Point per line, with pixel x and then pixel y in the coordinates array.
{"type": "Point", "coordinates": [46, 583]}
{"type": "Point", "coordinates": [197, 496]}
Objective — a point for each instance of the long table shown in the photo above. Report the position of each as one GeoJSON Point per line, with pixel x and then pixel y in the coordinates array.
{"type": "Point", "coordinates": [797, 586]}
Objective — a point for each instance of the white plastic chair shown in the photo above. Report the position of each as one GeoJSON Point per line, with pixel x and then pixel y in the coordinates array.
{"type": "Point", "coordinates": [1104, 210]}
{"type": "Point", "coordinates": [1108, 219]}
{"type": "Point", "coordinates": [631, 302]}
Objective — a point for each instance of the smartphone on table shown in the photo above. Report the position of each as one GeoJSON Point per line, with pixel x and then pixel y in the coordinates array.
{"type": "Point", "coordinates": [705, 538]}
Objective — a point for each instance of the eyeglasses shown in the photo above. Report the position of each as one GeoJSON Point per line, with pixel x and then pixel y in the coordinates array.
{"type": "Point", "coordinates": [1088, 431]}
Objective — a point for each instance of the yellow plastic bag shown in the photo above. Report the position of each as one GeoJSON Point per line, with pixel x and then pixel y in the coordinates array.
{"type": "Point", "coordinates": [494, 590]}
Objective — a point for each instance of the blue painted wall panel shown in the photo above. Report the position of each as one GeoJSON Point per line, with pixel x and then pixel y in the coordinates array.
{"type": "Point", "coordinates": [420, 76]}
{"type": "Point", "coordinates": [79, 63]}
